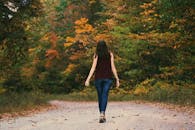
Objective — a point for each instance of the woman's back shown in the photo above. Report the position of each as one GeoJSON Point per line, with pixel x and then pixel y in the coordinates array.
{"type": "Point", "coordinates": [103, 69]}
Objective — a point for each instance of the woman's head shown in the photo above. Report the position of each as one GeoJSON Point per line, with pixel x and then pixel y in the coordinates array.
{"type": "Point", "coordinates": [102, 50]}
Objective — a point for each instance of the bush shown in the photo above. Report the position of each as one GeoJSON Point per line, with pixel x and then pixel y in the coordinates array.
{"type": "Point", "coordinates": [12, 101]}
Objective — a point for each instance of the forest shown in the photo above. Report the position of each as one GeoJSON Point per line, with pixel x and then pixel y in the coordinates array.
{"type": "Point", "coordinates": [47, 47]}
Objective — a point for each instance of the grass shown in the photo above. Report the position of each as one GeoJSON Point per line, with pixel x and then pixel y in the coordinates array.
{"type": "Point", "coordinates": [159, 92]}
{"type": "Point", "coordinates": [15, 102]}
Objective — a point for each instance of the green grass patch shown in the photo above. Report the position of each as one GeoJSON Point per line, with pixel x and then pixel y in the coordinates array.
{"type": "Point", "coordinates": [14, 102]}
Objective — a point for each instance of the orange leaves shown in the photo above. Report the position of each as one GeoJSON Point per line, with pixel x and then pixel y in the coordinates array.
{"type": "Point", "coordinates": [69, 41]}
{"type": "Point", "coordinates": [76, 55]}
{"type": "Point", "coordinates": [81, 21]}
{"type": "Point", "coordinates": [178, 23]}
{"type": "Point", "coordinates": [67, 44]}
{"type": "Point", "coordinates": [147, 12]}
{"type": "Point", "coordinates": [51, 54]}
{"type": "Point", "coordinates": [82, 26]}
{"type": "Point", "coordinates": [83, 33]}
{"type": "Point", "coordinates": [146, 5]}
{"type": "Point", "coordinates": [53, 39]}
{"type": "Point", "coordinates": [104, 36]}
{"type": "Point", "coordinates": [27, 71]}
{"type": "Point", "coordinates": [110, 23]}
{"type": "Point", "coordinates": [84, 29]}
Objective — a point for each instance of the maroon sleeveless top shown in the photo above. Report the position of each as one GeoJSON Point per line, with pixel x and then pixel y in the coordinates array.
{"type": "Point", "coordinates": [103, 68]}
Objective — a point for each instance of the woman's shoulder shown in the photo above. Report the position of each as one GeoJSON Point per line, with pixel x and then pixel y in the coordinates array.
{"type": "Point", "coordinates": [95, 55]}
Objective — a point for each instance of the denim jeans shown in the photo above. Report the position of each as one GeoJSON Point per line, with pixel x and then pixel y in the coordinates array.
{"type": "Point", "coordinates": [102, 86]}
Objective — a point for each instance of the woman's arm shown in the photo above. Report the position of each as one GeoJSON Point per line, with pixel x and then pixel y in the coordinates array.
{"type": "Point", "coordinates": [114, 70]}
{"type": "Point", "coordinates": [92, 70]}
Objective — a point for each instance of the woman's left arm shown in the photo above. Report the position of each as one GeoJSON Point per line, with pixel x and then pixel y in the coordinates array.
{"type": "Point", "coordinates": [91, 71]}
{"type": "Point", "coordinates": [114, 70]}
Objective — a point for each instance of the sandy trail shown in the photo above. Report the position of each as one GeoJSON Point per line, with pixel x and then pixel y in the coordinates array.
{"type": "Point", "coordinates": [120, 116]}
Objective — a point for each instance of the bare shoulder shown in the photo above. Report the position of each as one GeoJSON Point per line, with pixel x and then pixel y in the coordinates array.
{"type": "Point", "coordinates": [95, 55]}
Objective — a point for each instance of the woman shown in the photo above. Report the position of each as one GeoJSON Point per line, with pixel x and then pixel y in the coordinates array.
{"type": "Point", "coordinates": [103, 66]}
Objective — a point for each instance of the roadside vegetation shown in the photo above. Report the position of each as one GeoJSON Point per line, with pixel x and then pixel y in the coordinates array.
{"type": "Point", "coordinates": [46, 49]}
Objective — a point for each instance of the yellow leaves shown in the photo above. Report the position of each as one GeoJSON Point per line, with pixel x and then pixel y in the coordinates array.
{"type": "Point", "coordinates": [165, 85]}
{"type": "Point", "coordinates": [154, 1]}
{"type": "Point", "coordinates": [45, 37]}
{"type": "Point", "coordinates": [69, 68]}
{"type": "Point", "coordinates": [172, 25]}
{"type": "Point", "coordinates": [156, 15]}
{"type": "Point", "coordinates": [27, 27]}
{"type": "Point", "coordinates": [92, 1]}
{"type": "Point", "coordinates": [118, 91]}
{"type": "Point", "coordinates": [84, 29]}
{"type": "Point", "coordinates": [178, 23]}
{"type": "Point", "coordinates": [136, 36]}
{"type": "Point", "coordinates": [141, 90]}
{"type": "Point", "coordinates": [2, 90]}
{"type": "Point", "coordinates": [30, 50]}
{"type": "Point", "coordinates": [69, 41]}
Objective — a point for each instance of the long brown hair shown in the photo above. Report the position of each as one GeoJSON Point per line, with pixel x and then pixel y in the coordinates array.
{"type": "Point", "coordinates": [102, 50]}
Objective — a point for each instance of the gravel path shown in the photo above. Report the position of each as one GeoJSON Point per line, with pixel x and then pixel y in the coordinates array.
{"type": "Point", "coordinates": [120, 116]}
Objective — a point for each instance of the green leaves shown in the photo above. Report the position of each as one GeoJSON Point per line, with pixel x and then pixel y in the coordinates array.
{"type": "Point", "coordinates": [61, 7]}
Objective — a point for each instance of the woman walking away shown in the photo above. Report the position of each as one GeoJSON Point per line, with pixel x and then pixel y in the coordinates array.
{"type": "Point", "coordinates": [104, 68]}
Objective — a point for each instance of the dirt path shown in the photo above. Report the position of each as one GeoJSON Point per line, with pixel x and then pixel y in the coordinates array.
{"type": "Point", "coordinates": [120, 116]}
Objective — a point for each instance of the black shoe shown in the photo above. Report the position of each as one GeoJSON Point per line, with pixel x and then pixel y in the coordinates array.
{"type": "Point", "coordinates": [102, 119]}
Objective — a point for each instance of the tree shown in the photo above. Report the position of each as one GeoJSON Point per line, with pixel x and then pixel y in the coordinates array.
{"type": "Point", "coordinates": [13, 38]}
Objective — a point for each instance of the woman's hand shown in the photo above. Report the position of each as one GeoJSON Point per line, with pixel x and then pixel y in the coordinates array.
{"type": "Point", "coordinates": [117, 83]}
{"type": "Point", "coordinates": [87, 83]}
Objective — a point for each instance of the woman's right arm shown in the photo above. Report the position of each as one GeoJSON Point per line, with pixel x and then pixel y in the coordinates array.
{"type": "Point", "coordinates": [92, 70]}
{"type": "Point", "coordinates": [114, 70]}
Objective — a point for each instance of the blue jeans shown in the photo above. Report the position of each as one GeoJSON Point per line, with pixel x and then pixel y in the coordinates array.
{"type": "Point", "coordinates": [102, 86]}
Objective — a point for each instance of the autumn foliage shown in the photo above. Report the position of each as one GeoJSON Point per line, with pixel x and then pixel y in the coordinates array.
{"type": "Point", "coordinates": [152, 42]}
